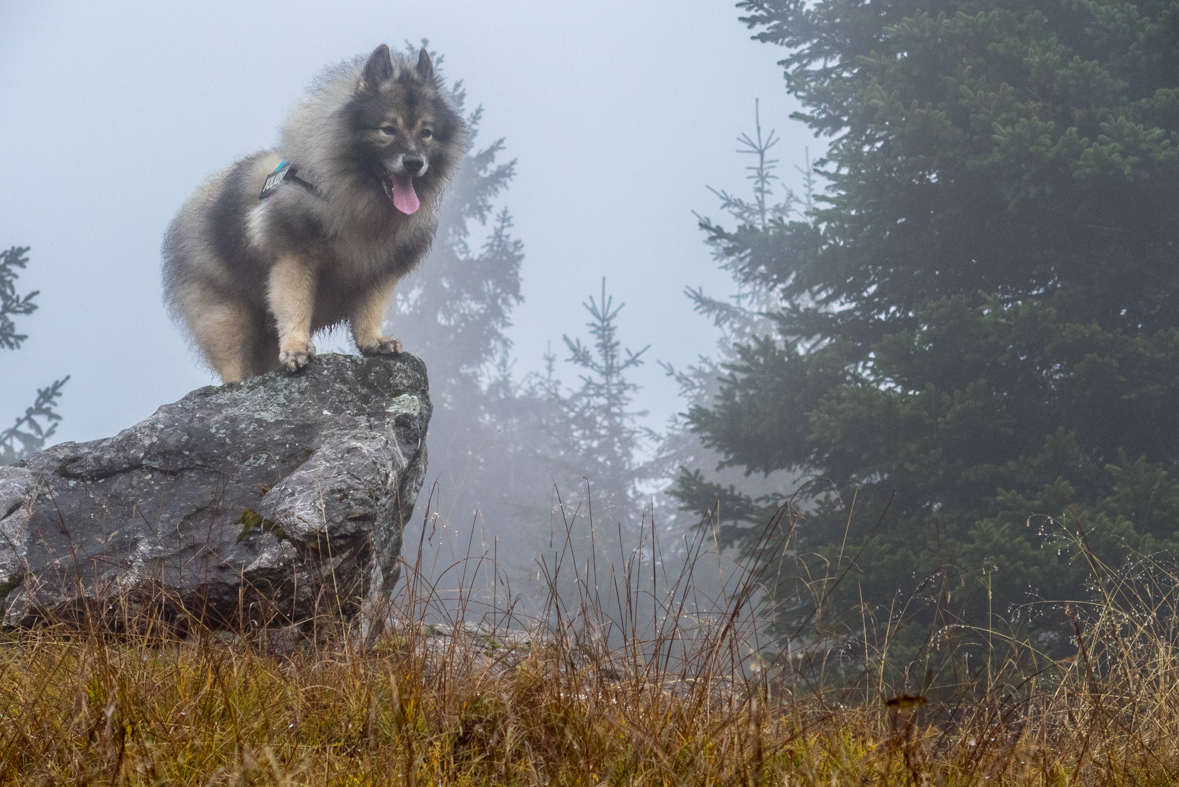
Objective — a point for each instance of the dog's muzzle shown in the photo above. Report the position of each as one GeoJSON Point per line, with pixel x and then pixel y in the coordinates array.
{"type": "Point", "coordinates": [398, 181]}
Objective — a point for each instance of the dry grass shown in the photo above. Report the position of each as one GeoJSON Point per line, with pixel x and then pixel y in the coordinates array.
{"type": "Point", "coordinates": [596, 692]}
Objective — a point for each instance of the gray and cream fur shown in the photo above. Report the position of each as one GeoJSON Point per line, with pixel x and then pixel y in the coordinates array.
{"type": "Point", "coordinates": [251, 280]}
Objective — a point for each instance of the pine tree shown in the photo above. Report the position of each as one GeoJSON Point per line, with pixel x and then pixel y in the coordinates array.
{"type": "Point", "coordinates": [745, 314]}
{"type": "Point", "coordinates": [39, 422]}
{"type": "Point", "coordinates": [980, 315]}
{"type": "Point", "coordinates": [507, 453]}
{"type": "Point", "coordinates": [605, 435]}
{"type": "Point", "coordinates": [454, 312]}
{"type": "Point", "coordinates": [559, 468]}
{"type": "Point", "coordinates": [562, 451]}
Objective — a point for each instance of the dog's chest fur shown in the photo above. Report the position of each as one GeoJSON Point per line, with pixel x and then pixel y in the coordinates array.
{"type": "Point", "coordinates": [360, 257]}
{"type": "Point", "coordinates": [347, 250]}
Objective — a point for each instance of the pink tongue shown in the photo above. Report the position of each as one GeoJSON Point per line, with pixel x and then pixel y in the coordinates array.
{"type": "Point", "coordinates": [405, 199]}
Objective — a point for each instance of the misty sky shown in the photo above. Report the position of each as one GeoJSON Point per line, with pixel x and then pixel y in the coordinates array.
{"type": "Point", "coordinates": [619, 114]}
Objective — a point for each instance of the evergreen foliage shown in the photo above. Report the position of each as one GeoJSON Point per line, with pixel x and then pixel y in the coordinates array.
{"type": "Point", "coordinates": [506, 453]}
{"type": "Point", "coordinates": [604, 430]}
{"type": "Point", "coordinates": [12, 303]}
{"type": "Point", "coordinates": [562, 455]}
{"type": "Point", "coordinates": [742, 316]}
{"type": "Point", "coordinates": [455, 309]}
{"type": "Point", "coordinates": [39, 421]}
{"type": "Point", "coordinates": [979, 330]}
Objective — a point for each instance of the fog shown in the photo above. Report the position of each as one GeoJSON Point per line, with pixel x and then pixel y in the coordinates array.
{"type": "Point", "coordinates": [618, 114]}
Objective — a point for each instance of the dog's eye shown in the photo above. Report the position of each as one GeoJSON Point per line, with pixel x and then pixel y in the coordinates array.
{"type": "Point", "coordinates": [427, 133]}
{"type": "Point", "coordinates": [389, 130]}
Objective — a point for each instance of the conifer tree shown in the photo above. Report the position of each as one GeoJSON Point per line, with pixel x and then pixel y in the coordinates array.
{"type": "Point", "coordinates": [980, 321]}
{"type": "Point", "coordinates": [504, 452]}
{"type": "Point", "coordinates": [604, 431]}
{"type": "Point", "coordinates": [454, 312]}
{"type": "Point", "coordinates": [561, 451]}
{"type": "Point", "coordinates": [39, 422]}
{"type": "Point", "coordinates": [743, 315]}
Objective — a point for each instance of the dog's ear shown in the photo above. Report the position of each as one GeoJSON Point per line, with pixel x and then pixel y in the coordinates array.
{"type": "Point", "coordinates": [425, 68]}
{"type": "Point", "coordinates": [378, 68]}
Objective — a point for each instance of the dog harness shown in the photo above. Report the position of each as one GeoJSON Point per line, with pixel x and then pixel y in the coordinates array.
{"type": "Point", "coordinates": [284, 171]}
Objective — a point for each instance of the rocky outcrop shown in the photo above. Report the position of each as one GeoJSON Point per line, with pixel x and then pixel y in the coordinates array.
{"type": "Point", "coordinates": [271, 501]}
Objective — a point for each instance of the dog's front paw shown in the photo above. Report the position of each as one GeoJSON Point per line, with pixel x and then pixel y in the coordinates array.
{"type": "Point", "coordinates": [295, 355]}
{"type": "Point", "coordinates": [383, 345]}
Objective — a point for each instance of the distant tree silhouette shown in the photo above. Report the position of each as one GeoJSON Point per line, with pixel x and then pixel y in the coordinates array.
{"type": "Point", "coordinates": [603, 426]}
{"type": "Point", "coordinates": [40, 420]}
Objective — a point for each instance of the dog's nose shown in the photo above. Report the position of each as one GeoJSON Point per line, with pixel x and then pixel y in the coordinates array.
{"type": "Point", "coordinates": [413, 164]}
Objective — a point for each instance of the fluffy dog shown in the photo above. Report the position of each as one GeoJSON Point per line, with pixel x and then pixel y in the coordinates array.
{"type": "Point", "coordinates": [317, 231]}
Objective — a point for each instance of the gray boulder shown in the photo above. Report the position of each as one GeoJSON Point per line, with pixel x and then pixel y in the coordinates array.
{"type": "Point", "coordinates": [272, 501]}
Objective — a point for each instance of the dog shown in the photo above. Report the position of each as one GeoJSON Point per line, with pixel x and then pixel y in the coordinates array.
{"type": "Point", "coordinates": [318, 231]}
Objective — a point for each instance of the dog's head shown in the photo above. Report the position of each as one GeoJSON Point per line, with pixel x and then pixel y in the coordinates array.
{"type": "Point", "coordinates": [408, 138]}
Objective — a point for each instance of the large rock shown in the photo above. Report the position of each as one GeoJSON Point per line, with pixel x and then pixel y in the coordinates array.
{"type": "Point", "coordinates": [275, 500]}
